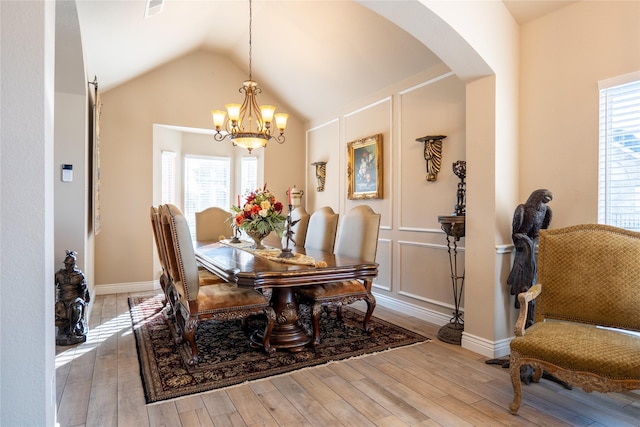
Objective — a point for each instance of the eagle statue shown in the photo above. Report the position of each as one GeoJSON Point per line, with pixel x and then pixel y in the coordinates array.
{"type": "Point", "coordinates": [528, 219]}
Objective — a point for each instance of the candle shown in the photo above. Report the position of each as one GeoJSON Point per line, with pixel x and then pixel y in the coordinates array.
{"type": "Point", "coordinates": [238, 200]}
{"type": "Point", "coordinates": [289, 193]}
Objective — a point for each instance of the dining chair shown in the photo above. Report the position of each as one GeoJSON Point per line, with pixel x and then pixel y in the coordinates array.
{"type": "Point", "coordinates": [213, 223]}
{"type": "Point", "coordinates": [196, 303]}
{"type": "Point", "coordinates": [166, 280]}
{"type": "Point", "coordinates": [358, 238]}
{"type": "Point", "coordinates": [157, 237]}
{"type": "Point", "coordinates": [321, 231]}
{"type": "Point", "coordinates": [299, 228]}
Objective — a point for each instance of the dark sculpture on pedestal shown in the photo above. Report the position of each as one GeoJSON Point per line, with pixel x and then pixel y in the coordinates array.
{"type": "Point", "coordinates": [454, 227]}
{"type": "Point", "coordinates": [72, 298]}
{"type": "Point", "coordinates": [528, 219]}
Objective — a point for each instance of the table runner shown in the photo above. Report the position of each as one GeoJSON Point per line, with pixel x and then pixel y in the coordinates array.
{"type": "Point", "coordinates": [273, 254]}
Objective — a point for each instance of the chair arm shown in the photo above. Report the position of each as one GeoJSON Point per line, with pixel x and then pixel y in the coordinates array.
{"type": "Point", "coordinates": [525, 298]}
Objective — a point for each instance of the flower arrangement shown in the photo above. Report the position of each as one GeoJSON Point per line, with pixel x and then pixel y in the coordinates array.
{"type": "Point", "coordinates": [261, 213]}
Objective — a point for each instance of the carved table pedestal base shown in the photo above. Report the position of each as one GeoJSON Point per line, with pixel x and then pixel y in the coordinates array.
{"type": "Point", "coordinates": [287, 333]}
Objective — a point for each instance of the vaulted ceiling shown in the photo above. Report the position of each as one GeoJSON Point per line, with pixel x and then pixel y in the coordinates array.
{"type": "Point", "coordinates": [312, 54]}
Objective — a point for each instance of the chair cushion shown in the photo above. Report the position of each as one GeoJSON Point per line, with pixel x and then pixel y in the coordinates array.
{"type": "Point", "coordinates": [228, 298]}
{"type": "Point", "coordinates": [331, 290]}
{"type": "Point", "coordinates": [610, 354]}
{"type": "Point", "coordinates": [208, 278]}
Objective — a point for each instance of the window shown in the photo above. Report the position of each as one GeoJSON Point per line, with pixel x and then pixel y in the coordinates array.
{"type": "Point", "coordinates": [619, 165]}
{"type": "Point", "coordinates": [207, 183]}
{"type": "Point", "coordinates": [249, 174]}
{"type": "Point", "coordinates": [168, 177]}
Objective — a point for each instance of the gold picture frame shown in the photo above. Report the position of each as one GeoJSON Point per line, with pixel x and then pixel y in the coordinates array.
{"type": "Point", "coordinates": [364, 170]}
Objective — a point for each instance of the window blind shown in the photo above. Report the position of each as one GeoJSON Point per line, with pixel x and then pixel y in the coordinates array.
{"type": "Point", "coordinates": [619, 155]}
{"type": "Point", "coordinates": [249, 175]}
{"type": "Point", "coordinates": [207, 183]}
{"type": "Point", "coordinates": [168, 177]}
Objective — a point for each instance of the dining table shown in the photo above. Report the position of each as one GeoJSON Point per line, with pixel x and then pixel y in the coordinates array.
{"type": "Point", "coordinates": [267, 270]}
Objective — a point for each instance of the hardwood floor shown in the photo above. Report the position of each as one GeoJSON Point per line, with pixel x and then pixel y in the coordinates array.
{"type": "Point", "coordinates": [433, 384]}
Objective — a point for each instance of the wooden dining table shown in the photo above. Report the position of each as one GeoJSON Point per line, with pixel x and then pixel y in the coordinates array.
{"type": "Point", "coordinates": [240, 266]}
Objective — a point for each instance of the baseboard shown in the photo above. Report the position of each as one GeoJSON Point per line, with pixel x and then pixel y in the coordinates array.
{"type": "Point", "coordinates": [421, 313]}
{"type": "Point", "coordinates": [487, 348]}
{"type": "Point", "coordinates": [470, 342]}
{"type": "Point", "coordinates": [117, 288]}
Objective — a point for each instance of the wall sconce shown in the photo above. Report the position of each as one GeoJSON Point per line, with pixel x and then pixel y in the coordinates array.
{"type": "Point", "coordinates": [432, 154]}
{"type": "Point", "coordinates": [321, 174]}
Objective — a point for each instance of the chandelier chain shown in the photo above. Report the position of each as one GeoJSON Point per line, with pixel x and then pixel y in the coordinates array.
{"type": "Point", "coordinates": [250, 44]}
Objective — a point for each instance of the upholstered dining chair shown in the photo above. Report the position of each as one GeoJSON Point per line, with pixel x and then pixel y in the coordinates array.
{"type": "Point", "coordinates": [321, 232]}
{"type": "Point", "coordinates": [212, 223]}
{"type": "Point", "coordinates": [357, 238]}
{"type": "Point", "coordinates": [299, 229]}
{"type": "Point", "coordinates": [195, 302]}
{"type": "Point", "coordinates": [165, 281]}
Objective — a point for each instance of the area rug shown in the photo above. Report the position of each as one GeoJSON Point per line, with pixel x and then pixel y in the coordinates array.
{"type": "Point", "coordinates": [227, 359]}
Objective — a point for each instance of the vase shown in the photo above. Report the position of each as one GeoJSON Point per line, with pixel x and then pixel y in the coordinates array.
{"type": "Point", "coordinates": [257, 238]}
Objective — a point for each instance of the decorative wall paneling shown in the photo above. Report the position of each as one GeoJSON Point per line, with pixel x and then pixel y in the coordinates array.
{"type": "Point", "coordinates": [414, 272]}
{"type": "Point", "coordinates": [384, 257]}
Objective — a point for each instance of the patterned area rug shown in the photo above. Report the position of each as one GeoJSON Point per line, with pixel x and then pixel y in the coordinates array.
{"type": "Point", "coordinates": [226, 358]}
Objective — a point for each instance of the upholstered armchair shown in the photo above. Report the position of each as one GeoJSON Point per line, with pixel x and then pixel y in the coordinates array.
{"type": "Point", "coordinates": [587, 322]}
{"type": "Point", "coordinates": [212, 223]}
{"type": "Point", "coordinates": [195, 302]}
{"type": "Point", "coordinates": [321, 232]}
{"type": "Point", "coordinates": [357, 238]}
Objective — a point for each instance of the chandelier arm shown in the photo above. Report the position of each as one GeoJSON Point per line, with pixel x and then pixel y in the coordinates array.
{"type": "Point", "coordinates": [219, 136]}
{"type": "Point", "coordinates": [278, 138]}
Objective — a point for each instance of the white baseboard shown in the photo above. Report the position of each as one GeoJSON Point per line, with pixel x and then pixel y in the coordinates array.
{"type": "Point", "coordinates": [470, 342]}
{"type": "Point", "coordinates": [421, 313]}
{"type": "Point", "coordinates": [117, 288]}
{"type": "Point", "coordinates": [490, 349]}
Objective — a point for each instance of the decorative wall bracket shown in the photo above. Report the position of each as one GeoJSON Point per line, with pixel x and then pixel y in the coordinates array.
{"type": "Point", "coordinates": [321, 174]}
{"type": "Point", "coordinates": [432, 154]}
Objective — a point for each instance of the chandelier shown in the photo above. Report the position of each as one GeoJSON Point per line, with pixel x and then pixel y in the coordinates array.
{"type": "Point", "coordinates": [249, 125]}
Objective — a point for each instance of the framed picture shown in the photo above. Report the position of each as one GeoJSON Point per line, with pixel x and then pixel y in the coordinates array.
{"type": "Point", "coordinates": [364, 170]}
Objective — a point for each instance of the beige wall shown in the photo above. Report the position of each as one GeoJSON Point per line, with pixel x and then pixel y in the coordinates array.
{"type": "Point", "coordinates": [180, 93]}
{"type": "Point", "coordinates": [564, 55]}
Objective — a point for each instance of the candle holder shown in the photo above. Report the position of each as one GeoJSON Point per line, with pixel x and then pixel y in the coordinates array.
{"type": "Point", "coordinates": [286, 252]}
{"type": "Point", "coordinates": [236, 232]}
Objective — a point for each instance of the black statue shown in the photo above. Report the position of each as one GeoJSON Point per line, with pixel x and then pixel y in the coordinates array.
{"type": "Point", "coordinates": [72, 298]}
{"type": "Point", "coordinates": [528, 219]}
{"type": "Point", "coordinates": [460, 170]}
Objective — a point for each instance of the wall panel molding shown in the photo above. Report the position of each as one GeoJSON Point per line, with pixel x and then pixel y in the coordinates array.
{"type": "Point", "coordinates": [384, 281]}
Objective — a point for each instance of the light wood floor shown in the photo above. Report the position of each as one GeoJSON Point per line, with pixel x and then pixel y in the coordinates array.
{"type": "Point", "coordinates": [432, 384]}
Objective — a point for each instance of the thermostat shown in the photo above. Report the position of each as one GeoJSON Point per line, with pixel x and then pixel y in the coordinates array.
{"type": "Point", "coordinates": [67, 173]}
